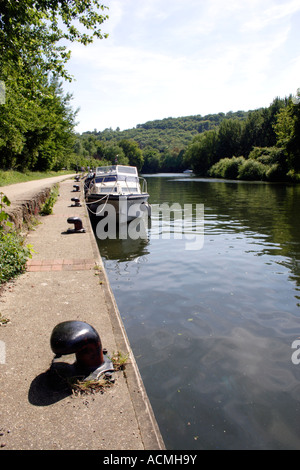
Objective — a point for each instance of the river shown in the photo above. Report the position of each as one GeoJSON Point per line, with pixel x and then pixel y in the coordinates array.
{"type": "Point", "coordinates": [210, 302]}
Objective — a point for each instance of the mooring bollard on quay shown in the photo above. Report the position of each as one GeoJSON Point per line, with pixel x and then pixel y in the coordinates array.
{"type": "Point", "coordinates": [78, 227]}
{"type": "Point", "coordinates": [79, 338]}
{"type": "Point", "coordinates": [76, 201]}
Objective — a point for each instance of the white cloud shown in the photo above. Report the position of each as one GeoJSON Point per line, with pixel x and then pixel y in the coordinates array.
{"type": "Point", "coordinates": [272, 15]}
{"type": "Point", "coordinates": [115, 13]}
{"type": "Point", "coordinates": [185, 58]}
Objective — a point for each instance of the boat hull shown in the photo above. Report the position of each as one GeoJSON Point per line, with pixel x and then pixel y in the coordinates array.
{"type": "Point", "coordinates": [124, 208]}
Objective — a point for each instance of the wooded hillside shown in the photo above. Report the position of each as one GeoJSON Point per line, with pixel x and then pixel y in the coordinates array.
{"type": "Point", "coordinates": [260, 144]}
{"type": "Point", "coordinates": [162, 142]}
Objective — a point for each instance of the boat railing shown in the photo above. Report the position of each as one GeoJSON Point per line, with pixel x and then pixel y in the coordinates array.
{"type": "Point", "coordinates": [143, 185]}
{"type": "Point", "coordinates": [141, 182]}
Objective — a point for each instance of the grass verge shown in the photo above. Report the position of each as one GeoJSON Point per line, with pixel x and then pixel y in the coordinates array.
{"type": "Point", "coordinates": [13, 255]}
{"type": "Point", "coordinates": [8, 177]}
{"type": "Point", "coordinates": [13, 251]}
{"type": "Point", "coordinates": [47, 208]}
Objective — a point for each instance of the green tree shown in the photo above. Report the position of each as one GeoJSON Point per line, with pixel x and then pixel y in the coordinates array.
{"type": "Point", "coordinates": [284, 126]}
{"type": "Point", "coordinates": [252, 132]}
{"type": "Point", "coordinates": [33, 33]}
{"type": "Point", "coordinates": [133, 152]}
{"type": "Point", "coordinates": [201, 154]}
{"type": "Point", "coordinates": [36, 134]}
{"type": "Point", "coordinates": [13, 123]}
{"type": "Point", "coordinates": [36, 120]}
{"type": "Point", "coordinates": [115, 155]}
{"type": "Point", "coordinates": [287, 129]}
{"type": "Point", "coordinates": [227, 168]}
{"type": "Point", "coordinates": [258, 128]}
{"type": "Point", "coordinates": [152, 160]}
{"type": "Point", "coordinates": [229, 138]}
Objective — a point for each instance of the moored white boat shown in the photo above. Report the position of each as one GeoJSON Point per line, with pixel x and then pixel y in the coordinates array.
{"type": "Point", "coordinates": [117, 189]}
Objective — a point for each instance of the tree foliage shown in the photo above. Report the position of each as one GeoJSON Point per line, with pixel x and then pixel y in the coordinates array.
{"type": "Point", "coordinates": [265, 146]}
{"type": "Point", "coordinates": [259, 144]}
{"type": "Point", "coordinates": [288, 133]}
{"type": "Point", "coordinates": [202, 153]}
{"type": "Point", "coordinates": [33, 33]}
{"type": "Point", "coordinates": [162, 142]}
{"type": "Point", "coordinates": [36, 119]}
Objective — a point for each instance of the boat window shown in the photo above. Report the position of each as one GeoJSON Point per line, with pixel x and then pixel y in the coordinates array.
{"type": "Point", "coordinates": [127, 169]}
{"type": "Point", "coordinates": [105, 169]}
{"type": "Point", "coordinates": [101, 179]}
{"type": "Point", "coordinates": [130, 189]}
{"type": "Point", "coordinates": [128, 178]}
{"type": "Point", "coordinates": [110, 178]}
{"type": "Point", "coordinates": [106, 190]}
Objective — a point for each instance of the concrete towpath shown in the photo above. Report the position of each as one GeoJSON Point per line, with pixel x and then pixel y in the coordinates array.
{"type": "Point", "coordinates": [28, 189]}
{"type": "Point", "coordinates": [66, 280]}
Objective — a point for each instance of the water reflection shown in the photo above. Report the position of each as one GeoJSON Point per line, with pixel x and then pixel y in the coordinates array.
{"type": "Point", "coordinates": [212, 329]}
{"type": "Point", "coordinates": [123, 249]}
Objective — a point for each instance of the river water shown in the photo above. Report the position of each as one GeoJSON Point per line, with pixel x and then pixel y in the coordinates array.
{"type": "Point", "coordinates": [210, 300]}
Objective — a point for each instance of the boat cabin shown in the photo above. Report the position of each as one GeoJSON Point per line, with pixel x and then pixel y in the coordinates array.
{"type": "Point", "coordinates": [117, 179]}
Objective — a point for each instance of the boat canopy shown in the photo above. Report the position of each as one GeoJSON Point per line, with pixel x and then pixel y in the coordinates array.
{"type": "Point", "coordinates": [116, 170]}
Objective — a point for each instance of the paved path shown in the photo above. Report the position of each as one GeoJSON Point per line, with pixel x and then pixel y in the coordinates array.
{"type": "Point", "coordinates": [66, 280]}
{"type": "Point", "coordinates": [24, 191]}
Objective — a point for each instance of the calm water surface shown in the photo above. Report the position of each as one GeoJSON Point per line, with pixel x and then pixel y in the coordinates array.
{"type": "Point", "coordinates": [212, 329]}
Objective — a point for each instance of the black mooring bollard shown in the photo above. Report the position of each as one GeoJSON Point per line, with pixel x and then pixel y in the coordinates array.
{"type": "Point", "coordinates": [76, 201]}
{"type": "Point", "coordinates": [76, 188]}
{"type": "Point", "coordinates": [78, 228]}
{"type": "Point", "coordinates": [79, 338]}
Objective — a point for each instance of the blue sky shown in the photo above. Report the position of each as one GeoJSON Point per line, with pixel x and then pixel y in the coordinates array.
{"type": "Point", "coordinates": [172, 58]}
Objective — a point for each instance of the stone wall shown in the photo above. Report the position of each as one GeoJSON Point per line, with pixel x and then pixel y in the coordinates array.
{"type": "Point", "coordinates": [21, 212]}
